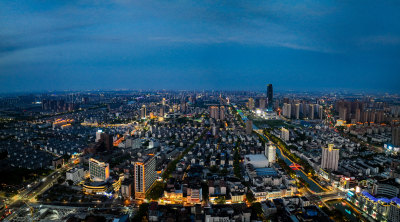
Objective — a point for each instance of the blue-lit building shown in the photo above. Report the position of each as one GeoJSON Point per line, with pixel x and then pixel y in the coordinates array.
{"type": "Point", "coordinates": [379, 208]}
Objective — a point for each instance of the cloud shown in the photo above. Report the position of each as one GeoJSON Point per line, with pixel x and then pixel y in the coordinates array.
{"type": "Point", "coordinates": [241, 22]}
{"type": "Point", "coordinates": [272, 38]}
{"type": "Point", "coordinates": [381, 40]}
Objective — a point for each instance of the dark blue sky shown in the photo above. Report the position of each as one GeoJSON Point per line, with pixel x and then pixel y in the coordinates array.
{"type": "Point", "coordinates": [300, 45]}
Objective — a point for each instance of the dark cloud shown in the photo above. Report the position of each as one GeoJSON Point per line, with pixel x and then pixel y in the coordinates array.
{"type": "Point", "coordinates": [224, 44]}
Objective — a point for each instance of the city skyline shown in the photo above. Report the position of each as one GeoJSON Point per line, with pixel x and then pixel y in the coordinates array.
{"type": "Point", "coordinates": [203, 111]}
{"type": "Point", "coordinates": [228, 45]}
{"type": "Point", "coordinates": [329, 157]}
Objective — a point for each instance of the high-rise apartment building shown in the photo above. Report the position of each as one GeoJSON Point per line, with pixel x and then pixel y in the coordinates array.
{"type": "Point", "coordinates": [285, 134]}
{"type": "Point", "coordinates": [396, 136]}
{"type": "Point", "coordinates": [250, 104]}
{"type": "Point", "coordinates": [107, 140]}
{"type": "Point", "coordinates": [358, 115]}
{"type": "Point", "coordinates": [270, 153]}
{"type": "Point", "coordinates": [311, 111]}
{"type": "Point", "coordinates": [343, 114]}
{"type": "Point", "coordinates": [270, 97]}
{"type": "Point", "coordinates": [143, 112]}
{"type": "Point", "coordinates": [287, 110]}
{"type": "Point", "coordinates": [249, 126]}
{"type": "Point", "coordinates": [214, 130]}
{"type": "Point", "coordinates": [321, 112]}
{"type": "Point", "coordinates": [99, 171]}
{"type": "Point", "coordinates": [330, 158]}
{"type": "Point", "coordinates": [98, 135]}
{"type": "Point", "coordinates": [161, 113]}
{"type": "Point", "coordinates": [217, 112]}
{"type": "Point", "coordinates": [145, 175]}
{"type": "Point", "coordinates": [222, 112]}
{"type": "Point", "coordinates": [262, 103]}
{"type": "Point", "coordinates": [297, 110]}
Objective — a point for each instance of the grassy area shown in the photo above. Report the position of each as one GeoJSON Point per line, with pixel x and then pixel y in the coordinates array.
{"type": "Point", "coordinates": [238, 117]}
{"type": "Point", "coordinates": [156, 191]}
{"type": "Point", "coordinates": [263, 123]}
{"type": "Point", "coordinates": [285, 167]}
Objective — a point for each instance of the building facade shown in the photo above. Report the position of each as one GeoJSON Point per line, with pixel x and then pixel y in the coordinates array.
{"type": "Point", "coordinates": [330, 158]}
{"type": "Point", "coordinates": [396, 136]}
{"type": "Point", "coordinates": [145, 175]}
{"type": "Point", "coordinates": [285, 134]}
{"type": "Point", "coordinates": [270, 153]}
{"type": "Point", "coordinates": [99, 171]}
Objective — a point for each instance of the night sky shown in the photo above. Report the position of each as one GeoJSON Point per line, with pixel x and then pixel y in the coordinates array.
{"type": "Point", "coordinates": [235, 45]}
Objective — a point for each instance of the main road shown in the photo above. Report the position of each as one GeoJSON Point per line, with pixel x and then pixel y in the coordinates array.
{"type": "Point", "coordinates": [29, 195]}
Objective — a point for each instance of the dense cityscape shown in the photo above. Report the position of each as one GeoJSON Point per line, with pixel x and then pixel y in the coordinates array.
{"type": "Point", "coordinates": [200, 156]}
{"type": "Point", "coordinates": [199, 111]}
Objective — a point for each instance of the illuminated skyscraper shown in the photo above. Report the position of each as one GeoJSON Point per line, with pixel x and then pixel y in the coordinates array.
{"type": "Point", "coordinates": [270, 97]}
{"type": "Point", "coordinates": [99, 171]}
{"type": "Point", "coordinates": [143, 112]}
{"type": "Point", "coordinates": [145, 175]}
{"type": "Point", "coordinates": [330, 158]}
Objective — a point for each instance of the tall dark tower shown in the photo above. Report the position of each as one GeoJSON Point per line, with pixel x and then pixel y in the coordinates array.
{"type": "Point", "coordinates": [270, 97]}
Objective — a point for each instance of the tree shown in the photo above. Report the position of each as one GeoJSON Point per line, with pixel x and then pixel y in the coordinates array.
{"type": "Point", "coordinates": [220, 200]}
{"type": "Point", "coordinates": [224, 172]}
{"type": "Point", "coordinates": [250, 197]}
{"type": "Point", "coordinates": [214, 169]}
{"type": "Point", "coordinates": [61, 180]}
{"type": "Point", "coordinates": [3, 154]}
{"type": "Point", "coordinates": [95, 218]}
{"type": "Point", "coordinates": [66, 157]}
{"type": "Point", "coordinates": [156, 191]}
{"type": "Point", "coordinates": [204, 190]}
{"type": "Point", "coordinates": [257, 209]}
{"type": "Point", "coordinates": [70, 182]}
{"type": "Point", "coordinates": [142, 212]}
